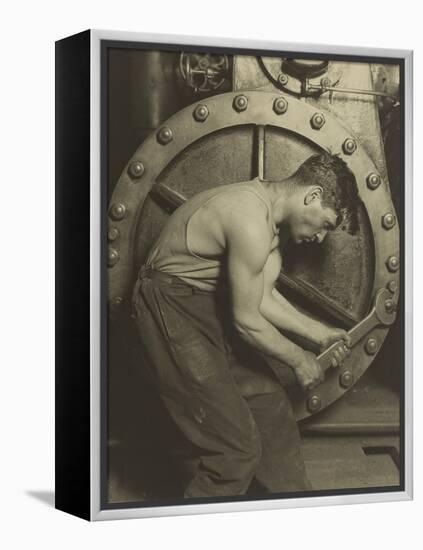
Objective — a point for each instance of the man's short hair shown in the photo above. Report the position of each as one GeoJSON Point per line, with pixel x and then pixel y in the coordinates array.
{"type": "Point", "coordinates": [340, 191]}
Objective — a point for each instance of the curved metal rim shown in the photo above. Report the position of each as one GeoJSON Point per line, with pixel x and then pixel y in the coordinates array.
{"type": "Point", "coordinates": [185, 129]}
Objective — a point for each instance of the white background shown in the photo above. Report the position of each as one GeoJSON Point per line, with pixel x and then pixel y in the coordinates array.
{"type": "Point", "coordinates": [27, 37]}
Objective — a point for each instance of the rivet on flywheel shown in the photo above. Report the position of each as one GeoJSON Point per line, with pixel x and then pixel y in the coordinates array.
{"type": "Point", "coordinates": [346, 379]}
{"type": "Point", "coordinates": [200, 113]}
{"type": "Point", "coordinates": [280, 105]}
{"type": "Point", "coordinates": [392, 263]}
{"type": "Point", "coordinates": [349, 146]}
{"type": "Point", "coordinates": [314, 403]}
{"type": "Point", "coordinates": [136, 169]}
{"type": "Point", "coordinates": [240, 103]}
{"type": "Point", "coordinates": [389, 306]}
{"type": "Point", "coordinates": [371, 346]}
{"type": "Point", "coordinates": [113, 257]}
{"type": "Point", "coordinates": [164, 135]}
{"type": "Point", "coordinates": [392, 286]}
{"type": "Point", "coordinates": [388, 220]}
{"type": "Point", "coordinates": [373, 181]}
{"type": "Point", "coordinates": [317, 121]}
{"type": "Point", "coordinates": [283, 79]}
{"type": "Point", "coordinates": [117, 211]}
{"type": "Point", "coordinates": [112, 234]}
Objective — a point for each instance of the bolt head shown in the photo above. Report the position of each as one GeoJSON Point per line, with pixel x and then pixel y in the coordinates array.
{"type": "Point", "coordinates": [392, 263]}
{"type": "Point", "coordinates": [392, 286]}
{"type": "Point", "coordinates": [201, 113]}
{"type": "Point", "coordinates": [314, 403]}
{"type": "Point", "coordinates": [388, 220]}
{"type": "Point", "coordinates": [389, 306]}
{"type": "Point", "coordinates": [349, 146]}
{"type": "Point", "coordinates": [113, 257]}
{"type": "Point", "coordinates": [371, 346]}
{"type": "Point", "coordinates": [373, 181]}
{"type": "Point", "coordinates": [346, 379]}
{"type": "Point", "coordinates": [280, 105]}
{"type": "Point", "coordinates": [317, 121]}
{"type": "Point", "coordinates": [112, 234]}
{"type": "Point", "coordinates": [283, 79]}
{"type": "Point", "coordinates": [325, 82]}
{"type": "Point", "coordinates": [117, 211]}
{"type": "Point", "coordinates": [240, 103]}
{"type": "Point", "coordinates": [136, 169]}
{"type": "Point", "coordinates": [164, 135]}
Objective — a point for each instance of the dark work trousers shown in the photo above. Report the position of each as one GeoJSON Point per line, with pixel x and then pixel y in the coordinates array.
{"type": "Point", "coordinates": [238, 422]}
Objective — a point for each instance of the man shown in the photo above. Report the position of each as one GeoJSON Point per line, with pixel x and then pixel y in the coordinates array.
{"type": "Point", "coordinates": [208, 313]}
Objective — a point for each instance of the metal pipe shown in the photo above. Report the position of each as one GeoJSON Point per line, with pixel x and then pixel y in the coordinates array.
{"type": "Point", "coordinates": [349, 91]}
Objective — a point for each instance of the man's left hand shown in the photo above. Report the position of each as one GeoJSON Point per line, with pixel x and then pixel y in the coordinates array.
{"type": "Point", "coordinates": [330, 336]}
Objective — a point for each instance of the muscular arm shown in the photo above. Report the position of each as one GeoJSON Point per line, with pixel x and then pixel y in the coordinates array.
{"type": "Point", "coordinates": [283, 315]}
{"type": "Point", "coordinates": [248, 247]}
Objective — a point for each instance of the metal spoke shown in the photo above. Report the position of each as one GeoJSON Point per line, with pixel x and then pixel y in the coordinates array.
{"type": "Point", "coordinates": [167, 198]}
{"type": "Point", "coordinates": [260, 151]}
{"type": "Point", "coordinates": [311, 296]}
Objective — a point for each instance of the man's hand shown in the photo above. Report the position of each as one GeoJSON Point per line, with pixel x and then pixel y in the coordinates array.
{"type": "Point", "coordinates": [309, 373]}
{"type": "Point", "coordinates": [331, 336]}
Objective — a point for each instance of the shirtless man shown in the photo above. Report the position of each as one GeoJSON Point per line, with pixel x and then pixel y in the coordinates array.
{"type": "Point", "coordinates": [208, 312]}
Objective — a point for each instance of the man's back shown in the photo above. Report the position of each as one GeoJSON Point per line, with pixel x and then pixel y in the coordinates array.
{"type": "Point", "coordinates": [192, 244]}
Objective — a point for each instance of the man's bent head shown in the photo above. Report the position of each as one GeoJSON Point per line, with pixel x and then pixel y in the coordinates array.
{"type": "Point", "coordinates": [329, 197]}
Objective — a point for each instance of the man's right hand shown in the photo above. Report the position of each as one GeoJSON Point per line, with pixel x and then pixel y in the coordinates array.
{"type": "Point", "coordinates": [308, 371]}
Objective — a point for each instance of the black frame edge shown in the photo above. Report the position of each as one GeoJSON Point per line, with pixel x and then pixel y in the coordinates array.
{"type": "Point", "coordinates": [72, 369]}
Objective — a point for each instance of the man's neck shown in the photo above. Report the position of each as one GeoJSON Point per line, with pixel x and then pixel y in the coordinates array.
{"type": "Point", "coordinates": [281, 195]}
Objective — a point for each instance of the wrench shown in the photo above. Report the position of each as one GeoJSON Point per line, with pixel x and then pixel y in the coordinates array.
{"type": "Point", "coordinates": [382, 314]}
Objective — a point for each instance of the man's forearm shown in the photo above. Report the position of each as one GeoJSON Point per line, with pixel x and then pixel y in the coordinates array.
{"type": "Point", "coordinates": [281, 314]}
{"type": "Point", "coordinates": [262, 335]}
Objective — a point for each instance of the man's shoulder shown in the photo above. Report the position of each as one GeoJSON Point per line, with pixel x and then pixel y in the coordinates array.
{"type": "Point", "coordinates": [247, 221]}
{"type": "Point", "coordinates": [241, 201]}
{"type": "Point", "coordinates": [236, 210]}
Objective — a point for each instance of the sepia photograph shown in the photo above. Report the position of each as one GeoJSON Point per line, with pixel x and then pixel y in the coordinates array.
{"type": "Point", "coordinates": [253, 329]}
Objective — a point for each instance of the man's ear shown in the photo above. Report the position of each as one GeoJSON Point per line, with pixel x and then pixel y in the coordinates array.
{"type": "Point", "coordinates": [313, 193]}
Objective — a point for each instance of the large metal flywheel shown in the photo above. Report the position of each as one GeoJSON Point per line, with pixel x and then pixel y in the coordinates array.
{"type": "Point", "coordinates": [233, 137]}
